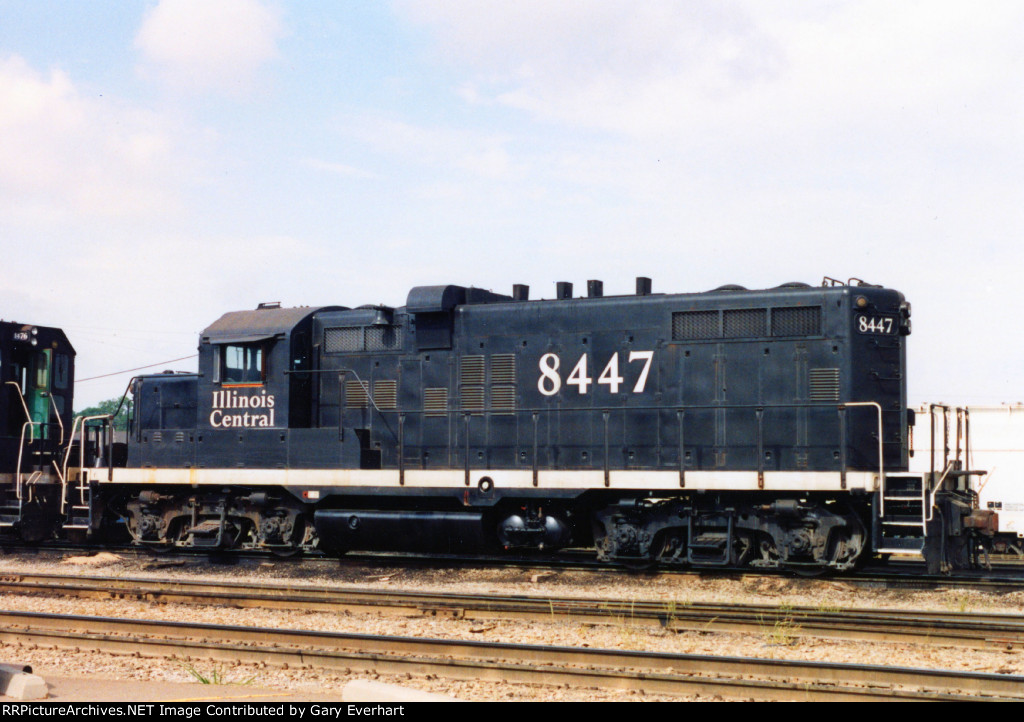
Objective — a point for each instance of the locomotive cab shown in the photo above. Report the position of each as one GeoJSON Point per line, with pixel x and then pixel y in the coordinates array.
{"type": "Point", "coordinates": [36, 395]}
{"type": "Point", "coordinates": [248, 408]}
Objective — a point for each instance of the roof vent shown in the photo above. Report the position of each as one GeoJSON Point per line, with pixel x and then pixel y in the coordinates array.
{"type": "Point", "coordinates": [268, 304]}
{"type": "Point", "coordinates": [563, 290]}
{"type": "Point", "coordinates": [520, 292]}
{"type": "Point", "coordinates": [643, 286]}
{"type": "Point", "coordinates": [595, 289]}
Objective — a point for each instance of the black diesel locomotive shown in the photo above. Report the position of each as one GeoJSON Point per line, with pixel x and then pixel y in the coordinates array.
{"type": "Point", "coordinates": [37, 371]}
{"type": "Point", "coordinates": [766, 428]}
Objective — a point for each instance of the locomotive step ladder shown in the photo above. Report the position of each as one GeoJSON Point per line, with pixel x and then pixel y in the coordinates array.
{"type": "Point", "coordinates": [38, 449]}
{"type": "Point", "coordinates": [903, 513]}
{"type": "Point", "coordinates": [10, 508]}
{"type": "Point", "coordinates": [906, 500]}
{"type": "Point", "coordinates": [913, 508]}
{"type": "Point", "coordinates": [710, 547]}
{"type": "Point", "coordinates": [79, 515]}
{"type": "Point", "coordinates": [76, 505]}
{"type": "Point", "coordinates": [33, 454]}
{"type": "Point", "coordinates": [206, 534]}
{"type": "Point", "coordinates": [12, 500]}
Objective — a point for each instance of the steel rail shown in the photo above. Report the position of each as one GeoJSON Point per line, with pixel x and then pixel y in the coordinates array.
{"type": "Point", "coordinates": [973, 630]}
{"type": "Point", "coordinates": [905, 574]}
{"type": "Point", "coordinates": [654, 673]}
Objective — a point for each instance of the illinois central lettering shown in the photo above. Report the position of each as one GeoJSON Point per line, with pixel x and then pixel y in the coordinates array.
{"type": "Point", "coordinates": [232, 409]}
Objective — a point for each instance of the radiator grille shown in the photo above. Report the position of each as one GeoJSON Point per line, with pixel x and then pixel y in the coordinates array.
{"type": "Point", "coordinates": [745, 323]}
{"type": "Point", "coordinates": [473, 399]}
{"type": "Point", "coordinates": [796, 321]}
{"type": "Point", "coordinates": [355, 394]}
{"type": "Point", "coordinates": [472, 374]}
{"type": "Point", "coordinates": [472, 371]}
{"type": "Point", "coordinates": [435, 402]}
{"type": "Point", "coordinates": [503, 368]}
{"type": "Point", "coordinates": [688, 325]}
{"type": "Point", "coordinates": [354, 339]}
{"type": "Point", "coordinates": [382, 338]}
{"type": "Point", "coordinates": [824, 384]}
{"type": "Point", "coordinates": [344, 339]}
{"type": "Point", "coordinates": [385, 395]}
{"type": "Point", "coordinates": [503, 399]}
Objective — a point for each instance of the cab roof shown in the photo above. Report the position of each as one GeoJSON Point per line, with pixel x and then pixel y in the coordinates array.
{"type": "Point", "coordinates": [257, 325]}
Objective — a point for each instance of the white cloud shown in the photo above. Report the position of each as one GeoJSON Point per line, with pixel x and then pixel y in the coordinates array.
{"type": "Point", "coordinates": [204, 45]}
{"type": "Point", "coordinates": [614, 64]}
{"type": "Point", "coordinates": [341, 169]}
{"type": "Point", "coordinates": [154, 294]}
{"type": "Point", "coordinates": [66, 154]}
{"type": "Point", "coordinates": [480, 153]}
{"type": "Point", "coordinates": [674, 70]}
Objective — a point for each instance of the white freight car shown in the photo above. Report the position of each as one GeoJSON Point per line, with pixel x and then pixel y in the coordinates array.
{"type": "Point", "coordinates": [996, 446]}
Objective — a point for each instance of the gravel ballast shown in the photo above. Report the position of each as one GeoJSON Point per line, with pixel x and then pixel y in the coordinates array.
{"type": "Point", "coordinates": [772, 641]}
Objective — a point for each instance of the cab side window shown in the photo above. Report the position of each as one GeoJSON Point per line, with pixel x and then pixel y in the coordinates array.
{"type": "Point", "coordinates": [243, 364]}
{"type": "Point", "coordinates": [61, 370]}
{"type": "Point", "coordinates": [42, 371]}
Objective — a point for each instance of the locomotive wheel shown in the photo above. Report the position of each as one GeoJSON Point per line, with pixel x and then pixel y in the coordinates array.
{"type": "Point", "coordinates": [158, 548]}
{"type": "Point", "coordinates": [743, 548]}
{"type": "Point", "coordinates": [286, 545]}
{"type": "Point", "coordinates": [638, 565]}
{"type": "Point", "coordinates": [36, 524]}
{"type": "Point", "coordinates": [842, 556]}
{"type": "Point", "coordinates": [672, 548]}
{"type": "Point", "coordinates": [78, 537]}
{"type": "Point", "coordinates": [286, 552]}
{"type": "Point", "coordinates": [808, 572]}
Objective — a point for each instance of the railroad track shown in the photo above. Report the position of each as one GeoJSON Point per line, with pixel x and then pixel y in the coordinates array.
{"type": "Point", "coordinates": [652, 673]}
{"type": "Point", "coordinates": [1006, 574]}
{"type": "Point", "coordinates": [962, 629]}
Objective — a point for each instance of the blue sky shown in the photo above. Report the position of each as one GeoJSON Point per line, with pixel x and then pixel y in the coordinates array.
{"type": "Point", "coordinates": [164, 162]}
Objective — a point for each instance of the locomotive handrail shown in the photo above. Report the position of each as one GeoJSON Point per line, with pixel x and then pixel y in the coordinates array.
{"type": "Point", "coordinates": [881, 444]}
{"type": "Point", "coordinates": [641, 407]}
{"type": "Point", "coordinates": [67, 451]}
{"type": "Point", "coordinates": [19, 474]}
{"type": "Point", "coordinates": [466, 416]}
{"type": "Point", "coordinates": [79, 425]}
{"type": "Point", "coordinates": [30, 425]}
{"type": "Point", "coordinates": [60, 443]}
{"type": "Point", "coordinates": [962, 448]}
{"type": "Point", "coordinates": [60, 422]}
{"type": "Point", "coordinates": [365, 386]}
{"type": "Point", "coordinates": [963, 436]}
{"type": "Point", "coordinates": [21, 398]}
{"type": "Point", "coordinates": [934, 490]}
{"type": "Point", "coordinates": [945, 435]}
{"type": "Point", "coordinates": [21, 449]}
{"type": "Point", "coordinates": [454, 415]}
